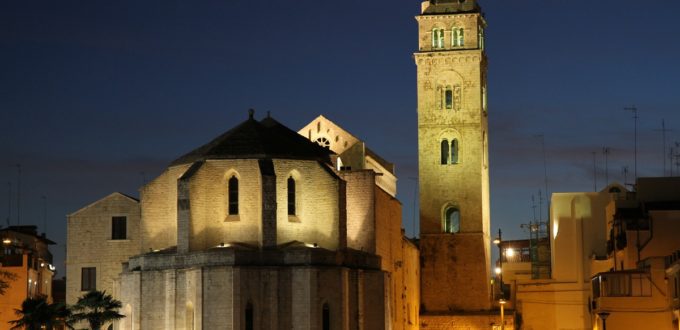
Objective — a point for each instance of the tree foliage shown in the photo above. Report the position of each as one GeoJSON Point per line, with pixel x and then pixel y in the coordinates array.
{"type": "Point", "coordinates": [5, 278]}
{"type": "Point", "coordinates": [96, 308]}
{"type": "Point", "coordinates": [37, 313]}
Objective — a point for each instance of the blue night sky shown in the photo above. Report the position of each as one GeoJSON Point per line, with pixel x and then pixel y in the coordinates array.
{"type": "Point", "coordinates": [96, 96]}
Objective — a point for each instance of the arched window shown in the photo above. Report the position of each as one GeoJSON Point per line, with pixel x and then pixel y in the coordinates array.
{"type": "Point", "coordinates": [457, 37]}
{"type": "Point", "coordinates": [451, 220]}
{"type": "Point", "coordinates": [480, 38]}
{"type": "Point", "coordinates": [291, 196]}
{"type": "Point", "coordinates": [445, 151]}
{"type": "Point", "coordinates": [326, 317]}
{"type": "Point", "coordinates": [322, 141]}
{"type": "Point", "coordinates": [250, 321]}
{"type": "Point", "coordinates": [437, 38]}
{"type": "Point", "coordinates": [233, 196]}
{"type": "Point", "coordinates": [454, 151]}
{"type": "Point", "coordinates": [448, 97]}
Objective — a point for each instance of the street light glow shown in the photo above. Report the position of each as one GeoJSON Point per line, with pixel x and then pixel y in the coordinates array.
{"type": "Point", "coordinates": [509, 252]}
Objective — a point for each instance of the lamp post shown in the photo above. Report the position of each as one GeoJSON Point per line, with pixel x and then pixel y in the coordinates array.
{"type": "Point", "coordinates": [603, 316]}
{"type": "Point", "coordinates": [502, 303]}
{"type": "Point", "coordinates": [499, 269]}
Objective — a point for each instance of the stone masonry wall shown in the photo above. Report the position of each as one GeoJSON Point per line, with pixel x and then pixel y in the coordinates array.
{"type": "Point", "coordinates": [89, 242]}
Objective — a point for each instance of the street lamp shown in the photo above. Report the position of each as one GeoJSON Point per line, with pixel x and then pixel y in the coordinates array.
{"type": "Point", "coordinates": [499, 269]}
{"type": "Point", "coordinates": [502, 303]}
{"type": "Point", "coordinates": [604, 316]}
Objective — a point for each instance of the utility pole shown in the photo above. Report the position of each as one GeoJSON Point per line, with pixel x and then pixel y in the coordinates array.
{"type": "Point", "coordinates": [634, 110]}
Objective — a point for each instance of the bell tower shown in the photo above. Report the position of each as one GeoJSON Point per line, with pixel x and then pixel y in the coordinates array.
{"type": "Point", "coordinates": [453, 157]}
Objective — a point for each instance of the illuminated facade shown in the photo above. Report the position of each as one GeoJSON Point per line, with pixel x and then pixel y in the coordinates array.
{"type": "Point", "coordinates": [25, 254]}
{"type": "Point", "coordinates": [259, 228]}
{"type": "Point", "coordinates": [453, 158]}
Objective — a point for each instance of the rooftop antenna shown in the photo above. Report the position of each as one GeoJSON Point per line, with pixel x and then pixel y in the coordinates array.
{"type": "Point", "coordinates": [677, 158]}
{"type": "Point", "coordinates": [663, 137]}
{"type": "Point", "coordinates": [44, 199]}
{"type": "Point", "coordinates": [605, 152]}
{"type": "Point", "coordinates": [594, 171]}
{"type": "Point", "coordinates": [634, 110]}
{"type": "Point", "coordinates": [545, 170]}
{"type": "Point", "coordinates": [18, 194]}
{"type": "Point", "coordinates": [624, 170]}
{"type": "Point", "coordinates": [533, 206]}
{"type": "Point", "coordinates": [670, 160]}
{"type": "Point", "coordinates": [9, 202]}
{"type": "Point", "coordinates": [540, 205]}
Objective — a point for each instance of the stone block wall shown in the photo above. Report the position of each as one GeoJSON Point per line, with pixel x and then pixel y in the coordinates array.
{"type": "Point", "coordinates": [89, 242]}
{"type": "Point", "coordinates": [216, 297]}
{"type": "Point", "coordinates": [454, 273]}
{"type": "Point", "coordinates": [361, 216]}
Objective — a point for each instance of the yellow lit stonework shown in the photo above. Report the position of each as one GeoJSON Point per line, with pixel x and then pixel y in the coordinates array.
{"type": "Point", "coordinates": [451, 89]}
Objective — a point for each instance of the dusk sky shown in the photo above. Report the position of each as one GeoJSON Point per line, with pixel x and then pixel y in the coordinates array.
{"type": "Point", "coordinates": [98, 96]}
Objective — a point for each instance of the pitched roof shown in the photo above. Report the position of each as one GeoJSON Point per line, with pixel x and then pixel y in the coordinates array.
{"type": "Point", "coordinates": [254, 139]}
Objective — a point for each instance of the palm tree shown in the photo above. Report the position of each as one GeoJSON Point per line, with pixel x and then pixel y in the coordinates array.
{"type": "Point", "coordinates": [96, 308]}
{"type": "Point", "coordinates": [5, 278]}
{"type": "Point", "coordinates": [36, 313]}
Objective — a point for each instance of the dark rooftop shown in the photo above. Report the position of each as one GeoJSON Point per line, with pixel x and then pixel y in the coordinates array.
{"type": "Point", "coordinates": [254, 139]}
{"type": "Point", "coordinates": [452, 6]}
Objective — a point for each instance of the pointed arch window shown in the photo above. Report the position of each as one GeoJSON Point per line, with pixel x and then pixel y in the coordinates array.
{"type": "Point", "coordinates": [451, 220]}
{"type": "Point", "coordinates": [445, 152]}
{"type": "Point", "coordinates": [437, 38]}
{"type": "Point", "coordinates": [233, 195]}
{"type": "Point", "coordinates": [291, 196]}
{"type": "Point", "coordinates": [457, 37]}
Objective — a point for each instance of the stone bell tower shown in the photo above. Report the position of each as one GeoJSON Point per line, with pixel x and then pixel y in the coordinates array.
{"type": "Point", "coordinates": [453, 157]}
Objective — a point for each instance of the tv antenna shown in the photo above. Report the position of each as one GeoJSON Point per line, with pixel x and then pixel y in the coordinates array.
{"type": "Point", "coordinates": [605, 152]}
{"type": "Point", "coordinates": [634, 110]}
{"type": "Point", "coordinates": [624, 171]}
{"type": "Point", "coordinates": [663, 131]}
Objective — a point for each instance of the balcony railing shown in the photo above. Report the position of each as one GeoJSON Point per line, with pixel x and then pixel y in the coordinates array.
{"type": "Point", "coordinates": [622, 284]}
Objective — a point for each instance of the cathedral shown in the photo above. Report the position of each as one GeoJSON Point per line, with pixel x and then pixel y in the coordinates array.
{"type": "Point", "coordinates": [265, 227]}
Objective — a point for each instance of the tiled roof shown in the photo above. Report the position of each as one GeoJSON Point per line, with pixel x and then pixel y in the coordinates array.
{"type": "Point", "coordinates": [254, 139]}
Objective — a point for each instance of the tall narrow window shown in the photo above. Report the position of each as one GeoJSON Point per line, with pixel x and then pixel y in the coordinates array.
{"type": "Point", "coordinates": [457, 37]}
{"type": "Point", "coordinates": [233, 195]}
{"type": "Point", "coordinates": [452, 220]}
{"type": "Point", "coordinates": [481, 38]}
{"type": "Point", "coordinates": [326, 318]}
{"type": "Point", "coordinates": [88, 279]}
{"type": "Point", "coordinates": [448, 96]}
{"type": "Point", "coordinates": [445, 152]}
{"type": "Point", "coordinates": [291, 196]}
{"type": "Point", "coordinates": [119, 228]}
{"type": "Point", "coordinates": [437, 38]}
{"type": "Point", "coordinates": [454, 151]}
{"type": "Point", "coordinates": [250, 322]}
